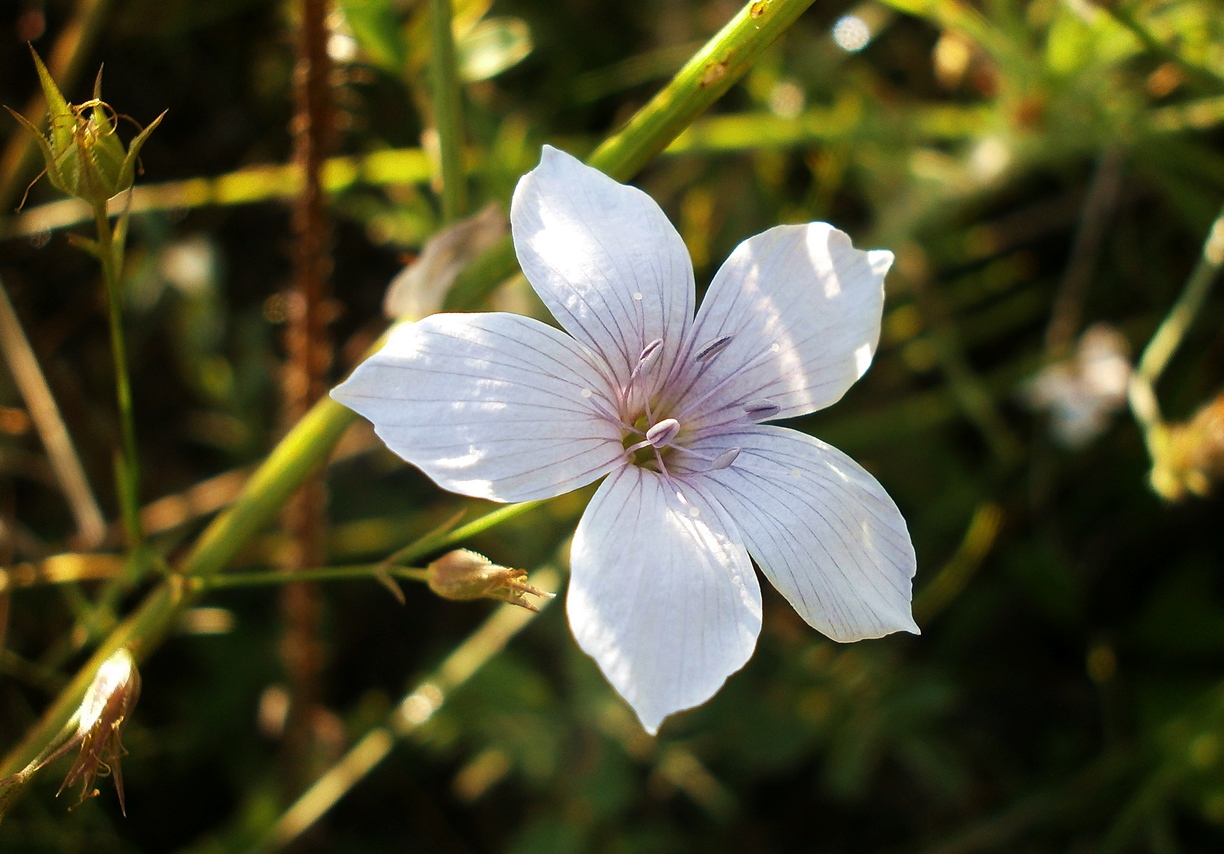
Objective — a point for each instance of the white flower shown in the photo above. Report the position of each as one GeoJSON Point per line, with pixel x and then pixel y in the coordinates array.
{"type": "Point", "coordinates": [1084, 391]}
{"type": "Point", "coordinates": [670, 407]}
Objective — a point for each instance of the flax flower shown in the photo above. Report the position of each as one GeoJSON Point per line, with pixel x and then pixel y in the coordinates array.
{"type": "Point", "coordinates": [672, 408]}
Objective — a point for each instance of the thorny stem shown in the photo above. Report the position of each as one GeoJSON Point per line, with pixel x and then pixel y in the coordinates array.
{"type": "Point", "coordinates": [1171, 332]}
{"type": "Point", "coordinates": [309, 356]}
{"type": "Point", "coordinates": [110, 254]}
{"type": "Point", "coordinates": [310, 441]}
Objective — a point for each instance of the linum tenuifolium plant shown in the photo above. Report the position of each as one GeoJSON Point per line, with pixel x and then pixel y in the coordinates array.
{"type": "Point", "coordinates": [673, 410]}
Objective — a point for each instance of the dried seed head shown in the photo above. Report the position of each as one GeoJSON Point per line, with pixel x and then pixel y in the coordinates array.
{"type": "Point", "coordinates": [1189, 457]}
{"type": "Point", "coordinates": [464, 575]}
{"type": "Point", "coordinates": [109, 700]}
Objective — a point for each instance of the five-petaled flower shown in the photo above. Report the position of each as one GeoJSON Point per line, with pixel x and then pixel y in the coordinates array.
{"type": "Point", "coordinates": [672, 408]}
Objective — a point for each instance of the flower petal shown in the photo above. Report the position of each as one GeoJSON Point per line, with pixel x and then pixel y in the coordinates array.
{"type": "Point", "coordinates": [821, 529]}
{"type": "Point", "coordinates": [604, 259]}
{"type": "Point", "coordinates": [660, 596]}
{"type": "Point", "coordinates": [494, 406]}
{"type": "Point", "coordinates": [802, 307]}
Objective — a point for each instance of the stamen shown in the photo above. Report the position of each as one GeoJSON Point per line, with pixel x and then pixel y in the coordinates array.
{"type": "Point", "coordinates": [760, 410]}
{"type": "Point", "coordinates": [611, 416]}
{"type": "Point", "coordinates": [686, 406]}
{"type": "Point", "coordinates": [712, 349]}
{"type": "Point", "coordinates": [662, 433]}
{"type": "Point", "coordinates": [650, 355]}
{"type": "Point", "coordinates": [633, 449]}
{"type": "Point", "coordinates": [721, 461]}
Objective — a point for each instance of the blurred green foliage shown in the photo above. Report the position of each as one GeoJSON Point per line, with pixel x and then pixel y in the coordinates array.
{"type": "Point", "coordinates": [1035, 166]}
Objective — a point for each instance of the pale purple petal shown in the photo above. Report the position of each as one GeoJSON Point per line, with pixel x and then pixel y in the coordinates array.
{"type": "Point", "coordinates": [604, 259]}
{"type": "Point", "coordinates": [660, 595]}
{"type": "Point", "coordinates": [821, 529]}
{"type": "Point", "coordinates": [802, 309]}
{"type": "Point", "coordinates": [495, 406]}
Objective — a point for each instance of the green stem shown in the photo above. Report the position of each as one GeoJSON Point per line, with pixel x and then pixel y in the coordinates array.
{"type": "Point", "coordinates": [448, 108]}
{"type": "Point", "coordinates": [1199, 75]}
{"type": "Point", "coordinates": [297, 456]}
{"type": "Point", "coordinates": [326, 573]}
{"type": "Point", "coordinates": [703, 80]}
{"type": "Point", "coordinates": [436, 542]}
{"type": "Point", "coordinates": [1172, 331]}
{"type": "Point", "coordinates": [110, 253]}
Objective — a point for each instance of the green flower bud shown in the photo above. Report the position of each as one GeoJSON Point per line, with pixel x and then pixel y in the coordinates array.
{"type": "Point", "coordinates": [83, 154]}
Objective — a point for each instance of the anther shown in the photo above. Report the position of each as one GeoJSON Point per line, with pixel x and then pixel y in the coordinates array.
{"type": "Point", "coordinates": [663, 432]}
{"type": "Point", "coordinates": [759, 410]}
{"type": "Point", "coordinates": [712, 349]}
{"type": "Point", "coordinates": [724, 459]}
{"type": "Point", "coordinates": [650, 355]}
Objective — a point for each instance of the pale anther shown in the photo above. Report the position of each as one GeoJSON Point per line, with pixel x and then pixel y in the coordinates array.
{"type": "Point", "coordinates": [663, 432]}
{"type": "Point", "coordinates": [712, 349]}
{"type": "Point", "coordinates": [650, 355]}
{"type": "Point", "coordinates": [759, 410]}
{"type": "Point", "coordinates": [725, 459]}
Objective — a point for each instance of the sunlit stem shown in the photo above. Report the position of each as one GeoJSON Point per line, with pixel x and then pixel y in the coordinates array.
{"type": "Point", "coordinates": [417, 707]}
{"type": "Point", "coordinates": [371, 571]}
{"type": "Point", "coordinates": [714, 69]}
{"type": "Point", "coordinates": [127, 466]}
{"type": "Point", "coordinates": [448, 108]}
{"type": "Point", "coordinates": [1172, 331]}
{"type": "Point", "coordinates": [440, 540]}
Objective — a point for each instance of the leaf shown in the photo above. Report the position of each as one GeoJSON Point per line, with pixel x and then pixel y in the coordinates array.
{"type": "Point", "coordinates": [491, 47]}
{"type": "Point", "coordinates": [376, 27]}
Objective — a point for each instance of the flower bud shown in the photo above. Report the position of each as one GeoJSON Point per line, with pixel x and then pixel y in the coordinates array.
{"type": "Point", "coordinates": [464, 575]}
{"type": "Point", "coordinates": [82, 152]}
{"type": "Point", "coordinates": [109, 700]}
{"type": "Point", "coordinates": [1189, 457]}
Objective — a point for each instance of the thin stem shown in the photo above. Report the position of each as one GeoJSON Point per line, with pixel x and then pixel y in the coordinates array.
{"type": "Point", "coordinates": [303, 449]}
{"type": "Point", "coordinates": [703, 80]}
{"type": "Point", "coordinates": [1172, 331]}
{"type": "Point", "coordinates": [326, 573]}
{"type": "Point", "coordinates": [110, 253]}
{"type": "Point", "coordinates": [448, 108]}
{"type": "Point", "coordinates": [23, 365]}
{"type": "Point", "coordinates": [415, 709]}
{"type": "Point", "coordinates": [1200, 75]}
{"type": "Point", "coordinates": [437, 541]}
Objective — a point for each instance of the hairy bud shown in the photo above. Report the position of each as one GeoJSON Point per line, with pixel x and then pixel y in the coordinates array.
{"type": "Point", "coordinates": [464, 575]}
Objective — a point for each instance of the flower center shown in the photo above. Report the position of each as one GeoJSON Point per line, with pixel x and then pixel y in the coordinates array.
{"type": "Point", "coordinates": [650, 435]}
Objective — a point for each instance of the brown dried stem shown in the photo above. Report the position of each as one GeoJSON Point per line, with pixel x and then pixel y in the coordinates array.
{"type": "Point", "coordinates": [309, 356]}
